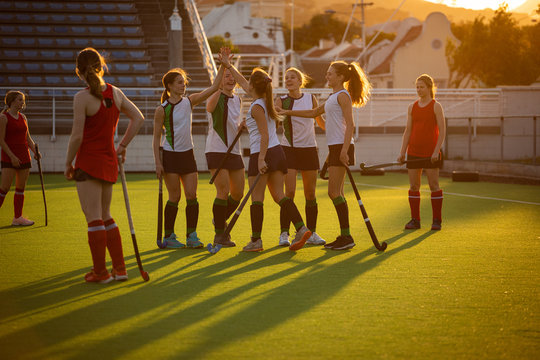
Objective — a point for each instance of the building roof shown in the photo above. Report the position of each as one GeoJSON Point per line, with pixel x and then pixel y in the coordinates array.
{"type": "Point", "coordinates": [384, 66]}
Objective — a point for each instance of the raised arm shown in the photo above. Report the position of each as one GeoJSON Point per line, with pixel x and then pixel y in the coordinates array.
{"type": "Point", "coordinates": [198, 98]}
{"type": "Point", "coordinates": [439, 115]}
{"type": "Point", "coordinates": [406, 136]}
{"type": "Point", "coordinates": [225, 57]}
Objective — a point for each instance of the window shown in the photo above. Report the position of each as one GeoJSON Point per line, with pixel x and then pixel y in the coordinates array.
{"type": "Point", "coordinates": [436, 44]}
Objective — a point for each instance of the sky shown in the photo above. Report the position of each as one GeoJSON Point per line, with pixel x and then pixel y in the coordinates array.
{"type": "Point", "coordinates": [480, 4]}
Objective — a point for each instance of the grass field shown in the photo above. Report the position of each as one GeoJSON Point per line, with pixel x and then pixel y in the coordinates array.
{"type": "Point", "coordinates": [470, 291]}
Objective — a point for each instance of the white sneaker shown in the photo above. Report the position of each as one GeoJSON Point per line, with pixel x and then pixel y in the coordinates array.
{"type": "Point", "coordinates": [315, 239]}
{"type": "Point", "coordinates": [284, 239]}
{"type": "Point", "coordinates": [21, 221]}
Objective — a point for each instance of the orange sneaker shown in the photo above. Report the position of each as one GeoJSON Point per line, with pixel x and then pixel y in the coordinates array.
{"type": "Point", "coordinates": [119, 275]}
{"type": "Point", "coordinates": [21, 221]}
{"type": "Point", "coordinates": [103, 278]}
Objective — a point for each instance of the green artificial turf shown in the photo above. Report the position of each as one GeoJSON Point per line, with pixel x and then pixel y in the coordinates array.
{"type": "Point", "coordinates": [470, 291]}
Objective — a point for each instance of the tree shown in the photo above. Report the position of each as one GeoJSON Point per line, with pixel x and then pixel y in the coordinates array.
{"type": "Point", "coordinates": [497, 53]}
{"type": "Point", "coordinates": [217, 42]}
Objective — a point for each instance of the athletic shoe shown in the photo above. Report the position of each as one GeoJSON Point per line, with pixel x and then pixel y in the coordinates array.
{"type": "Point", "coordinates": [21, 221]}
{"type": "Point", "coordinates": [331, 245]}
{"type": "Point", "coordinates": [104, 278]}
{"type": "Point", "coordinates": [436, 224]}
{"type": "Point", "coordinates": [343, 242]}
{"type": "Point", "coordinates": [193, 241]}
{"type": "Point", "coordinates": [253, 246]}
{"type": "Point", "coordinates": [300, 238]}
{"type": "Point", "coordinates": [315, 239]}
{"type": "Point", "coordinates": [171, 242]}
{"type": "Point", "coordinates": [284, 239]}
{"type": "Point", "coordinates": [119, 275]}
{"type": "Point", "coordinates": [224, 241]}
{"type": "Point", "coordinates": [413, 224]}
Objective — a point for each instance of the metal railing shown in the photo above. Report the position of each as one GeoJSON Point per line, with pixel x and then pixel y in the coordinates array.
{"type": "Point", "coordinates": [200, 36]}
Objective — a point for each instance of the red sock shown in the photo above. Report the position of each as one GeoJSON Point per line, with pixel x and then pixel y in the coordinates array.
{"type": "Point", "coordinates": [436, 204]}
{"type": "Point", "coordinates": [97, 239]}
{"type": "Point", "coordinates": [114, 244]}
{"type": "Point", "coordinates": [414, 202]}
{"type": "Point", "coordinates": [2, 196]}
{"type": "Point", "coordinates": [18, 202]}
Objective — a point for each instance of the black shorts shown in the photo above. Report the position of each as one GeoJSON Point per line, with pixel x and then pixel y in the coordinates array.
{"type": "Point", "coordinates": [425, 164]}
{"type": "Point", "coordinates": [81, 175]}
{"type": "Point", "coordinates": [180, 163]}
{"type": "Point", "coordinates": [8, 165]}
{"type": "Point", "coordinates": [333, 155]}
{"type": "Point", "coordinates": [301, 158]}
{"type": "Point", "coordinates": [233, 161]}
{"type": "Point", "coordinates": [275, 159]}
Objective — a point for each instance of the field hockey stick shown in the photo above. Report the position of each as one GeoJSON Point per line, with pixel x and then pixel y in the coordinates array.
{"type": "Point", "coordinates": [380, 247]}
{"type": "Point", "coordinates": [324, 169]}
{"type": "Point", "coordinates": [236, 215]}
{"type": "Point", "coordinates": [41, 179]}
{"type": "Point", "coordinates": [160, 206]}
{"type": "Point", "coordinates": [378, 166]}
{"type": "Point", "coordinates": [144, 274]}
{"type": "Point", "coordinates": [227, 154]}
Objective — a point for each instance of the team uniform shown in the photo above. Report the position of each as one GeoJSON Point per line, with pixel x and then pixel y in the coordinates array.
{"type": "Point", "coordinates": [275, 157]}
{"type": "Point", "coordinates": [335, 130]}
{"type": "Point", "coordinates": [177, 143]}
{"type": "Point", "coordinates": [178, 158]}
{"type": "Point", "coordinates": [96, 158]}
{"type": "Point", "coordinates": [424, 136]}
{"type": "Point", "coordinates": [422, 142]}
{"type": "Point", "coordinates": [16, 139]}
{"type": "Point", "coordinates": [298, 140]}
{"type": "Point", "coordinates": [223, 126]}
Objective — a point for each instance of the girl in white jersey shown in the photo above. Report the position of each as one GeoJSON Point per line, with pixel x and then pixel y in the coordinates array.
{"type": "Point", "coordinates": [298, 143]}
{"type": "Point", "coordinates": [178, 166]}
{"type": "Point", "coordinates": [350, 88]}
{"type": "Point", "coordinates": [266, 155]}
{"type": "Point", "coordinates": [225, 120]}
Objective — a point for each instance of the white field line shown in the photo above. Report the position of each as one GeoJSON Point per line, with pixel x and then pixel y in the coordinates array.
{"type": "Point", "coordinates": [455, 194]}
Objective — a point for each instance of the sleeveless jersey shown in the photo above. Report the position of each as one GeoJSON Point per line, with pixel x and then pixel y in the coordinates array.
{"type": "Point", "coordinates": [15, 138]}
{"type": "Point", "coordinates": [298, 131]}
{"type": "Point", "coordinates": [335, 122]}
{"type": "Point", "coordinates": [177, 123]}
{"type": "Point", "coordinates": [223, 125]}
{"type": "Point", "coordinates": [97, 155]}
{"type": "Point", "coordinates": [424, 131]}
{"type": "Point", "coordinates": [254, 135]}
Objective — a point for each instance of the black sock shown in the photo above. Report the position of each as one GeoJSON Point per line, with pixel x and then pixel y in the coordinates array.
{"type": "Point", "coordinates": [343, 214]}
{"type": "Point", "coordinates": [219, 210]}
{"type": "Point", "coordinates": [171, 209]}
{"type": "Point", "coordinates": [292, 212]}
{"type": "Point", "coordinates": [257, 216]}
{"type": "Point", "coordinates": [232, 204]}
{"type": "Point", "coordinates": [312, 210]}
{"type": "Point", "coordinates": [284, 220]}
{"type": "Point", "coordinates": [192, 215]}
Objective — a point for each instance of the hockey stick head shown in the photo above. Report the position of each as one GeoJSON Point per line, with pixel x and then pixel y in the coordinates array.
{"type": "Point", "coordinates": [362, 166]}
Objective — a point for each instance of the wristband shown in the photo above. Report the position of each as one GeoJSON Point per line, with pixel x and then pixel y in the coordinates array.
{"type": "Point", "coordinates": [125, 146]}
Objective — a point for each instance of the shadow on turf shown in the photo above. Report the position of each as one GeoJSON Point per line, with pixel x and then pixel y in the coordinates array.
{"type": "Point", "coordinates": [309, 284]}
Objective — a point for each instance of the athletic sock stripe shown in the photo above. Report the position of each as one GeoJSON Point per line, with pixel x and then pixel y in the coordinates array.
{"type": "Point", "coordinates": [19, 193]}
{"type": "Point", "coordinates": [414, 197]}
{"type": "Point", "coordinates": [436, 197]}
{"type": "Point", "coordinates": [111, 226]}
{"type": "Point", "coordinates": [96, 228]}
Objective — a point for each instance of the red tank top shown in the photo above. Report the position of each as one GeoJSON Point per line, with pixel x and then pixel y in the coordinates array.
{"type": "Point", "coordinates": [15, 137]}
{"type": "Point", "coordinates": [97, 155]}
{"type": "Point", "coordinates": [424, 132]}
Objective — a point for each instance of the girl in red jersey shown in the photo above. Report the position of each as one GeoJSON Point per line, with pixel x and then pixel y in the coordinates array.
{"type": "Point", "coordinates": [15, 141]}
{"type": "Point", "coordinates": [96, 110]}
{"type": "Point", "coordinates": [423, 138]}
